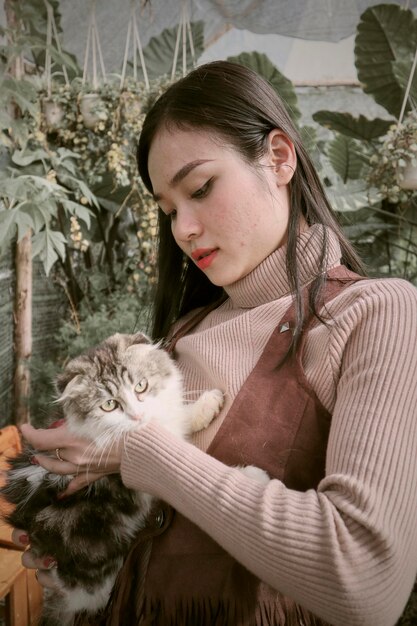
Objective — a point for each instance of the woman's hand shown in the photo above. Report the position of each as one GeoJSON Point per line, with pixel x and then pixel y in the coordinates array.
{"type": "Point", "coordinates": [80, 458]}
{"type": "Point", "coordinates": [73, 455]}
{"type": "Point", "coordinates": [42, 566]}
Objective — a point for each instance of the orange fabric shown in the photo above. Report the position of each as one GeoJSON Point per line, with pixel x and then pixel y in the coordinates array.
{"type": "Point", "coordinates": [10, 446]}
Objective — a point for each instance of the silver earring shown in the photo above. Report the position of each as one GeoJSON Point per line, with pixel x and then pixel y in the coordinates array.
{"type": "Point", "coordinates": [288, 165]}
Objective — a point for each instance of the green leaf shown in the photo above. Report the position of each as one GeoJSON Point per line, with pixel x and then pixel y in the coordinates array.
{"type": "Point", "coordinates": [26, 156]}
{"type": "Point", "coordinates": [359, 229]}
{"type": "Point", "coordinates": [77, 183]}
{"type": "Point", "coordinates": [63, 59]}
{"type": "Point", "coordinates": [109, 205]}
{"type": "Point", "coordinates": [262, 65]}
{"type": "Point", "coordinates": [310, 143]}
{"type": "Point", "coordinates": [79, 210]}
{"type": "Point", "coordinates": [14, 189]}
{"type": "Point", "coordinates": [19, 131]}
{"type": "Point", "coordinates": [22, 92]}
{"type": "Point", "coordinates": [11, 222]}
{"type": "Point", "coordinates": [48, 245]}
{"type": "Point", "coordinates": [343, 153]}
{"type": "Point", "coordinates": [5, 118]}
{"type": "Point", "coordinates": [356, 127]}
{"type": "Point", "coordinates": [159, 52]}
{"type": "Point", "coordinates": [24, 222]}
{"type": "Point", "coordinates": [350, 196]}
{"type": "Point", "coordinates": [39, 214]}
{"type": "Point", "coordinates": [386, 34]}
{"type": "Point", "coordinates": [401, 70]}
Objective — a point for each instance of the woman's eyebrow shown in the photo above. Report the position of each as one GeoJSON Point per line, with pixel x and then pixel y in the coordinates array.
{"type": "Point", "coordinates": [182, 173]}
{"type": "Point", "coordinates": [186, 169]}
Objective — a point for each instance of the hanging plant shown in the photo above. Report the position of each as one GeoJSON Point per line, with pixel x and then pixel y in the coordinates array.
{"type": "Point", "coordinates": [91, 109]}
{"type": "Point", "coordinates": [394, 167]}
{"type": "Point", "coordinates": [53, 112]}
{"type": "Point", "coordinates": [52, 109]}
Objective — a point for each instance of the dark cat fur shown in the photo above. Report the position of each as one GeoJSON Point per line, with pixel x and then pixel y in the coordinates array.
{"type": "Point", "coordinates": [90, 532]}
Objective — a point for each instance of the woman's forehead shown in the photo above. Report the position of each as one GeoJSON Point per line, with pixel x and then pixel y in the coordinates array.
{"type": "Point", "coordinates": [172, 149]}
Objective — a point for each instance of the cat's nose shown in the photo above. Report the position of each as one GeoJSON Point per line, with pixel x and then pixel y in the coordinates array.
{"type": "Point", "coordinates": [136, 418]}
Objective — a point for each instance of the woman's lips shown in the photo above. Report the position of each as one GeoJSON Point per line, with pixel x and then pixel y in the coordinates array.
{"type": "Point", "coordinates": [204, 257]}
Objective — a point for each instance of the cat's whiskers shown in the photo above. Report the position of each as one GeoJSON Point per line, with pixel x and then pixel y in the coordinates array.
{"type": "Point", "coordinates": [108, 439]}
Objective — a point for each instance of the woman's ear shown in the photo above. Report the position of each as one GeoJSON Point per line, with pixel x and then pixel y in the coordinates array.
{"type": "Point", "coordinates": [281, 156]}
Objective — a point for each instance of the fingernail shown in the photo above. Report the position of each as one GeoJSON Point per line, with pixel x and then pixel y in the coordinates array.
{"type": "Point", "coordinates": [24, 539]}
{"type": "Point", "coordinates": [34, 460]}
{"type": "Point", "coordinates": [49, 562]}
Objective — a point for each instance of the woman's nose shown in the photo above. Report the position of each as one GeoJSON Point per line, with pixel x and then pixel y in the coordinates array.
{"type": "Point", "coordinates": [186, 226]}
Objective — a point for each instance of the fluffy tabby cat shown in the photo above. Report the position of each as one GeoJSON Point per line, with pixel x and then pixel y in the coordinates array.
{"type": "Point", "coordinates": [114, 388]}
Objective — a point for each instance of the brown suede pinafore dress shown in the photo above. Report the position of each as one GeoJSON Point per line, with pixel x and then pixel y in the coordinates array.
{"type": "Point", "coordinates": [276, 423]}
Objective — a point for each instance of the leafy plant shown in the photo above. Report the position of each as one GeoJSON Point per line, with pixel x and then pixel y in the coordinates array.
{"type": "Point", "coordinates": [361, 163]}
{"type": "Point", "coordinates": [262, 65]}
{"type": "Point", "coordinates": [37, 182]}
{"type": "Point", "coordinates": [396, 155]}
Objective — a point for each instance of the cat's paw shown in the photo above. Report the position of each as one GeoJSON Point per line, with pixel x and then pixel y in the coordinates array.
{"type": "Point", "coordinates": [206, 408]}
{"type": "Point", "coordinates": [255, 473]}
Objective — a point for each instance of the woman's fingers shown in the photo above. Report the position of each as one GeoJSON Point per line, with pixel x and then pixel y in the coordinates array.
{"type": "Point", "coordinates": [54, 465]}
{"type": "Point", "coordinates": [80, 481]}
{"type": "Point", "coordinates": [46, 438]}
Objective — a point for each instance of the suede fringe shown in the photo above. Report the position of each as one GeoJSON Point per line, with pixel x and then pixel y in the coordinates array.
{"type": "Point", "coordinates": [205, 612]}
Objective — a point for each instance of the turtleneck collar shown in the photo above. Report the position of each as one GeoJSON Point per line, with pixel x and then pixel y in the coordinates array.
{"type": "Point", "coordinates": [269, 280]}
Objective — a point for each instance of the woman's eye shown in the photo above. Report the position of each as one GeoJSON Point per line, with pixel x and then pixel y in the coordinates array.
{"type": "Point", "coordinates": [203, 191]}
{"type": "Point", "coordinates": [141, 386]}
{"type": "Point", "coordinates": [109, 405]}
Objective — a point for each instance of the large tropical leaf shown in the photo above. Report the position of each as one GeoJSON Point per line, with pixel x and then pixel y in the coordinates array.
{"type": "Point", "coordinates": [345, 157]}
{"type": "Point", "coordinates": [386, 34]}
{"type": "Point", "coordinates": [159, 52]}
{"type": "Point", "coordinates": [349, 196]}
{"type": "Point", "coordinates": [262, 65]}
{"type": "Point", "coordinates": [401, 71]}
{"type": "Point", "coordinates": [356, 127]}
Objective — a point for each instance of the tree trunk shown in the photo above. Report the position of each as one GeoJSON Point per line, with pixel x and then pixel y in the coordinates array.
{"type": "Point", "coordinates": [23, 329]}
{"type": "Point", "coordinates": [23, 265]}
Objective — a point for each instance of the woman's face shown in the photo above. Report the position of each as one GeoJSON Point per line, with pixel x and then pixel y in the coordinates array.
{"type": "Point", "coordinates": [225, 215]}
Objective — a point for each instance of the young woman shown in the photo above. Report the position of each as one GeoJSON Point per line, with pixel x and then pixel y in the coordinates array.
{"type": "Point", "coordinates": [261, 295]}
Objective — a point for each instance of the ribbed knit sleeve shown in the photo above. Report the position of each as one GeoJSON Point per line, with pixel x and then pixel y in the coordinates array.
{"type": "Point", "coordinates": [348, 551]}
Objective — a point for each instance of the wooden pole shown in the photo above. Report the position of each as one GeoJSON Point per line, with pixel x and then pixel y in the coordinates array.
{"type": "Point", "coordinates": [23, 329]}
{"type": "Point", "coordinates": [23, 268]}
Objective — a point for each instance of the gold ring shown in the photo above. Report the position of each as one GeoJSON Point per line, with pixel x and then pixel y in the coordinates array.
{"type": "Point", "coordinates": [36, 574]}
{"type": "Point", "coordinates": [58, 456]}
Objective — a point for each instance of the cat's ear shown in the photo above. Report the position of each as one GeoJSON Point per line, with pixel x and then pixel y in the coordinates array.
{"type": "Point", "coordinates": [140, 338]}
{"type": "Point", "coordinates": [125, 340]}
{"type": "Point", "coordinates": [73, 369]}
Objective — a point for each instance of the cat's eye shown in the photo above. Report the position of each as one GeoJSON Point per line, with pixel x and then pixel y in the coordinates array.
{"type": "Point", "coordinates": [141, 386]}
{"type": "Point", "coordinates": [109, 405]}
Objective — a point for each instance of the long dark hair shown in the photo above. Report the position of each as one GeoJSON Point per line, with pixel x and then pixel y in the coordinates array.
{"type": "Point", "coordinates": [242, 108]}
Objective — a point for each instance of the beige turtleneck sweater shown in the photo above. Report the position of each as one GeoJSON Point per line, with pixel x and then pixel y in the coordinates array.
{"type": "Point", "coordinates": [347, 551]}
